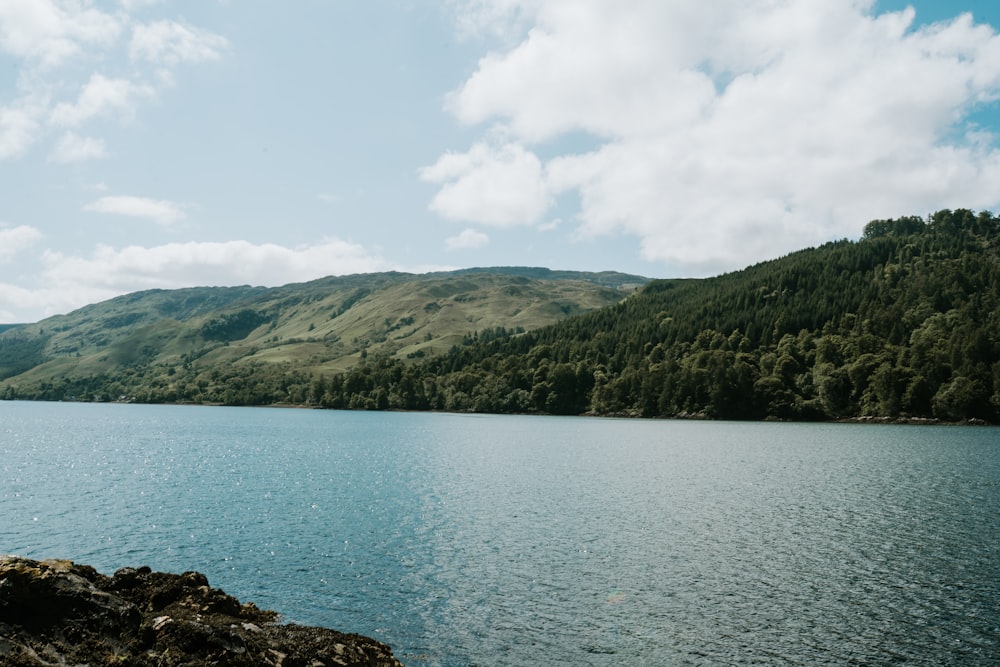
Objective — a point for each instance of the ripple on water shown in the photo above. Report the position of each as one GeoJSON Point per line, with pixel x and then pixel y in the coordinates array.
{"type": "Point", "coordinates": [515, 540]}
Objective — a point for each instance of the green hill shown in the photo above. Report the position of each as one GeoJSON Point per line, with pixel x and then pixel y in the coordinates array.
{"type": "Point", "coordinates": [904, 323]}
{"type": "Point", "coordinates": [225, 344]}
{"type": "Point", "coordinates": [901, 324]}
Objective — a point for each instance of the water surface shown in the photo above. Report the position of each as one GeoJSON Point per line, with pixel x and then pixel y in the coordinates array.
{"type": "Point", "coordinates": [505, 540]}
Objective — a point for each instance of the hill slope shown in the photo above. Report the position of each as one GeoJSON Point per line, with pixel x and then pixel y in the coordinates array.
{"type": "Point", "coordinates": [904, 323]}
{"type": "Point", "coordinates": [187, 344]}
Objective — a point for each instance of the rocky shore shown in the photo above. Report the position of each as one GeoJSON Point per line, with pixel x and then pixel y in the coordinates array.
{"type": "Point", "coordinates": [56, 612]}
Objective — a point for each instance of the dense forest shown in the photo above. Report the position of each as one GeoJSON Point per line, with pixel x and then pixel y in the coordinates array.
{"type": "Point", "coordinates": [901, 324]}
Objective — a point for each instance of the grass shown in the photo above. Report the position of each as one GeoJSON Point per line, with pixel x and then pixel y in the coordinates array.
{"type": "Point", "coordinates": [320, 326]}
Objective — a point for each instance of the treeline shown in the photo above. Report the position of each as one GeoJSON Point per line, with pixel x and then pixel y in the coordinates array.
{"type": "Point", "coordinates": [903, 323]}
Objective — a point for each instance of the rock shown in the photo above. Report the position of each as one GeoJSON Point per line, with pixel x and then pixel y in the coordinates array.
{"type": "Point", "coordinates": [56, 612]}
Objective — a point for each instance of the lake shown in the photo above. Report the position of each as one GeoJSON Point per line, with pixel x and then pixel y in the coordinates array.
{"type": "Point", "coordinates": [516, 540]}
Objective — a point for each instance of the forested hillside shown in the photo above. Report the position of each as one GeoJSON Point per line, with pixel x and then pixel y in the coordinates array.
{"type": "Point", "coordinates": [902, 323]}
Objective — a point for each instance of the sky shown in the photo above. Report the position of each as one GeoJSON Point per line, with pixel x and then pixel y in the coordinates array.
{"type": "Point", "coordinates": [172, 143]}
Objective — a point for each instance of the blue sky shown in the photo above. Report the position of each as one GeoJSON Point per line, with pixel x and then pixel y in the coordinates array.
{"type": "Point", "coordinates": [161, 144]}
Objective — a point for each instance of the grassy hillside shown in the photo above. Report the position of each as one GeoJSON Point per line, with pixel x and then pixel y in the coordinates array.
{"type": "Point", "coordinates": [184, 344]}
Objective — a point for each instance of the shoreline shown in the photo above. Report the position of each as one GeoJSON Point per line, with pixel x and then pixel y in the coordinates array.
{"type": "Point", "coordinates": [864, 419]}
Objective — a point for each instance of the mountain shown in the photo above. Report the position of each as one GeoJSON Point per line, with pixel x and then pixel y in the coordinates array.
{"type": "Point", "coordinates": [903, 324]}
{"type": "Point", "coordinates": [185, 344]}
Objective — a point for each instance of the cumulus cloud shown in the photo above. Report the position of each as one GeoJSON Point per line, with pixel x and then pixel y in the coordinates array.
{"type": "Point", "coordinates": [466, 240]}
{"type": "Point", "coordinates": [15, 240]}
{"type": "Point", "coordinates": [19, 127]}
{"type": "Point", "coordinates": [74, 148]}
{"type": "Point", "coordinates": [59, 49]}
{"type": "Point", "coordinates": [475, 18]}
{"type": "Point", "coordinates": [42, 36]}
{"type": "Point", "coordinates": [498, 186]}
{"type": "Point", "coordinates": [131, 5]}
{"type": "Point", "coordinates": [27, 304]}
{"type": "Point", "coordinates": [50, 33]}
{"type": "Point", "coordinates": [726, 131]}
{"type": "Point", "coordinates": [101, 96]}
{"type": "Point", "coordinates": [173, 265]}
{"type": "Point", "coordinates": [171, 42]}
{"type": "Point", "coordinates": [68, 281]}
{"type": "Point", "coordinates": [160, 211]}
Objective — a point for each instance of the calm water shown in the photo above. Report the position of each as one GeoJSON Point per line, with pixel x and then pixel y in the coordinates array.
{"type": "Point", "coordinates": [483, 540]}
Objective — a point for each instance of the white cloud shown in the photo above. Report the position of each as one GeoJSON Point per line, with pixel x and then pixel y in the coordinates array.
{"type": "Point", "coordinates": [15, 240]}
{"type": "Point", "coordinates": [549, 226]}
{"type": "Point", "coordinates": [60, 50]}
{"type": "Point", "coordinates": [475, 18]}
{"type": "Point", "coordinates": [467, 239]}
{"type": "Point", "coordinates": [67, 282]}
{"type": "Point", "coordinates": [131, 5]}
{"type": "Point", "coordinates": [500, 187]}
{"type": "Point", "coordinates": [160, 211]}
{"type": "Point", "coordinates": [190, 264]}
{"type": "Point", "coordinates": [170, 42]}
{"type": "Point", "coordinates": [74, 148]}
{"type": "Point", "coordinates": [50, 32]}
{"type": "Point", "coordinates": [25, 304]}
{"type": "Point", "coordinates": [19, 127]}
{"type": "Point", "coordinates": [100, 97]}
{"type": "Point", "coordinates": [728, 131]}
{"type": "Point", "coordinates": [21, 304]}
